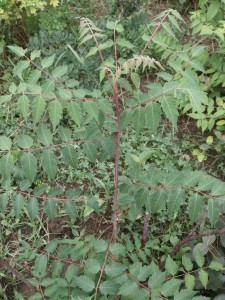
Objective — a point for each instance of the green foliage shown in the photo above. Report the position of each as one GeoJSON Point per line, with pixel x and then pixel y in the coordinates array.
{"type": "Point", "coordinates": [12, 9]}
{"type": "Point", "coordinates": [78, 152]}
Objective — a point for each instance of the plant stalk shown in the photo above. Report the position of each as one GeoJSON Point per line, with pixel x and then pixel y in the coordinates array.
{"type": "Point", "coordinates": [116, 175]}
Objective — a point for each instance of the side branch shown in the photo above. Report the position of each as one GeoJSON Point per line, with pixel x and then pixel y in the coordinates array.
{"type": "Point", "coordinates": [196, 237]}
{"type": "Point", "coordinates": [5, 264]}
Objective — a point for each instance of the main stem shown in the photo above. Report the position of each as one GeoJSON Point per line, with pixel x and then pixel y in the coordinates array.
{"type": "Point", "coordinates": [116, 175]}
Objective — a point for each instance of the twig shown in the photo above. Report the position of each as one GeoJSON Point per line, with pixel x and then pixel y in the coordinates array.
{"type": "Point", "coordinates": [50, 147]}
{"type": "Point", "coordinates": [159, 187]}
{"type": "Point", "coordinates": [116, 191]}
{"type": "Point", "coordinates": [145, 287]}
{"type": "Point", "coordinates": [5, 264]}
{"type": "Point", "coordinates": [146, 46]}
{"type": "Point", "coordinates": [45, 198]}
{"type": "Point", "coordinates": [146, 228]}
{"type": "Point", "coordinates": [196, 237]}
{"type": "Point", "coordinates": [102, 268]}
{"type": "Point", "coordinates": [154, 32]}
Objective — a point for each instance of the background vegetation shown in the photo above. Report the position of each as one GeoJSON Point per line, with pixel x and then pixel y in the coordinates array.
{"type": "Point", "coordinates": [112, 150]}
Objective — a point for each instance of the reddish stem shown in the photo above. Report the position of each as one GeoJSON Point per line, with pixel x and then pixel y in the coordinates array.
{"type": "Point", "coordinates": [116, 176]}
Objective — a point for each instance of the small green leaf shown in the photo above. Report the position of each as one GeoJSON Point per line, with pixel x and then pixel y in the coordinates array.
{"type": "Point", "coordinates": [171, 266]}
{"type": "Point", "coordinates": [114, 269]}
{"type": "Point", "coordinates": [41, 266]}
{"type": "Point", "coordinates": [50, 208]}
{"type": "Point", "coordinates": [65, 133]}
{"type": "Point", "coordinates": [215, 265]}
{"type": "Point", "coordinates": [213, 211]}
{"type": "Point", "coordinates": [100, 245]}
{"type": "Point", "coordinates": [70, 156]}
{"type": "Point", "coordinates": [168, 29]}
{"type": "Point", "coordinates": [24, 141]}
{"type": "Point", "coordinates": [4, 199]}
{"type": "Point", "coordinates": [138, 118]}
{"type": "Point", "coordinates": [23, 105]}
{"type": "Point", "coordinates": [5, 143]}
{"type": "Point", "coordinates": [209, 140]}
{"type": "Point", "coordinates": [108, 288]}
{"type": "Point", "coordinates": [29, 165]}
{"type": "Point", "coordinates": [204, 277]}
{"type": "Point", "coordinates": [158, 200]}
{"type": "Point", "coordinates": [176, 197]}
{"type": "Point", "coordinates": [125, 118]}
{"type": "Point", "coordinates": [49, 163]}
{"type": "Point", "coordinates": [44, 135]}
{"type": "Point", "coordinates": [35, 54]}
{"type": "Point", "coordinates": [170, 287]}
{"type": "Point", "coordinates": [90, 149]}
{"type": "Point", "coordinates": [169, 108]}
{"type": "Point", "coordinates": [59, 71]}
{"type": "Point", "coordinates": [79, 93]}
{"type": "Point", "coordinates": [135, 79]}
{"type": "Point", "coordinates": [17, 50]}
{"type": "Point", "coordinates": [212, 10]}
{"type": "Point", "coordinates": [93, 265]}
{"type": "Point", "coordinates": [196, 207]}
{"type": "Point", "coordinates": [92, 51]}
{"type": "Point", "coordinates": [197, 50]}
{"type": "Point", "coordinates": [124, 43]}
{"type": "Point", "coordinates": [38, 108]}
{"type": "Point", "coordinates": [71, 209]}
{"type": "Point", "coordinates": [71, 272]}
{"type": "Point", "coordinates": [65, 94]}
{"type": "Point", "coordinates": [187, 263]}
{"type": "Point", "coordinates": [85, 283]}
{"type": "Point", "coordinates": [189, 281]}
{"type": "Point", "coordinates": [184, 294]}
{"type": "Point", "coordinates": [108, 145]}
{"type": "Point", "coordinates": [51, 246]}
{"type": "Point", "coordinates": [18, 204]}
{"type": "Point", "coordinates": [32, 208]}
{"type": "Point", "coordinates": [199, 258]}
{"type": "Point", "coordinates": [91, 107]}
{"type": "Point", "coordinates": [6, 165]}
{"type": "Point", "coordinates": [74, 111]}
{"type": "Point", "coordinates": [157, 279]}
{"type": "Point", "coordinates": [20, 67]}
{"type": "Point", "coordinates": [153, 116]}
{"type": "Point", "coordinates": [118, 249]}
{"type": "Point", "coordinates": [197, 97]}
{"type": "Point", "coordinates": [128, 288]}
{"type": "Point", "coordinates": [144, 273]}
{"type": "Point", "coordinates": [107, 44]}
{"type": "Point", "coordinates": [55, 112]}
{"type": "Point", "coordinates": [48, 61]}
